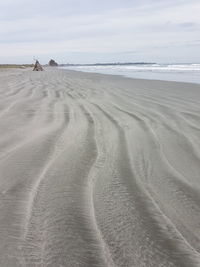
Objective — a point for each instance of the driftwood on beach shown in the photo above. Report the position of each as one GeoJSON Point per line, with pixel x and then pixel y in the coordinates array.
{"type": "Point", "coordinates": [37, 66]}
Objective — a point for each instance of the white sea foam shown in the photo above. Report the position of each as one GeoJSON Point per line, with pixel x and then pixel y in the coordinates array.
{"type": "Point", "coordinates": [171, 72]}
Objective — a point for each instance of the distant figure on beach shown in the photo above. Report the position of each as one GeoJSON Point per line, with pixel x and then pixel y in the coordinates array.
{"type": "Point", "coordinates": [38, 66]}
{"type": "Point", "coordinates": [53, 63]}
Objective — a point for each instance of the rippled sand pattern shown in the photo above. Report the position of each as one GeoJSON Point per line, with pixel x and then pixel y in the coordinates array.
{"type": "Point", "coordinates": [98, 170]}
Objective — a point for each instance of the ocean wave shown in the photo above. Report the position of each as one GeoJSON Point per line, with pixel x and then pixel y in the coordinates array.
{"type": "Point", "coordinates": [170, 72]}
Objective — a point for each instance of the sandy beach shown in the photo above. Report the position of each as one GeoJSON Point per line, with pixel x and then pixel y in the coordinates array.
{"type": "Point", "coordinates": [98, 170]}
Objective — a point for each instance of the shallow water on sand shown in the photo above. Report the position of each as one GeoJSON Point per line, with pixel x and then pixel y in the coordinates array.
{"type": "Point", "coordinates": [166, 72]}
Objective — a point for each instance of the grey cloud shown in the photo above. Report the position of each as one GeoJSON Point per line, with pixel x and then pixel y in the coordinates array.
{"type": "Point", "coordinates": [114, 28]}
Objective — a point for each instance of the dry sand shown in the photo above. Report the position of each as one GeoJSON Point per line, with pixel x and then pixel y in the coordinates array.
{"type": "Point", "coordinates": [98, 170]}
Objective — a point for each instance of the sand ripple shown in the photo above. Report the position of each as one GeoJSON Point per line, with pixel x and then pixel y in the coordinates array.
{"type": "Point", "coordinates": [98, 170]}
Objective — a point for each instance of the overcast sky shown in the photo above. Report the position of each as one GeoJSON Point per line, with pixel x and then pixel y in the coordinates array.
{"type": "Point", "coordinates": [78, 31]}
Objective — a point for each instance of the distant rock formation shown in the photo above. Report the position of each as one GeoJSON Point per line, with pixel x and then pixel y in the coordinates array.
{"type": "Point", "coordinates": [52, 63]}
{"type": "Point", "coordinates": [37, 66]}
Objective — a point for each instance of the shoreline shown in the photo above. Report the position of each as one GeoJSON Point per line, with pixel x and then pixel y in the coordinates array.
{"type": "Point", "coordinates": [127, 76]}
{"type": "Point", "coordinates": [29, 66]}
{"type": "Point", "coordinates": [141, 79]}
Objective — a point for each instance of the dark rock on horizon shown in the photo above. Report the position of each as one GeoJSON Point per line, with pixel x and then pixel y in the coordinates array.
{"type": "Point", "coordinates": [53, 63]}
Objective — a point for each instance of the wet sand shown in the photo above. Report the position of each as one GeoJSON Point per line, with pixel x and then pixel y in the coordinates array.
{"type": "Point", "coordinates": [98, 170]}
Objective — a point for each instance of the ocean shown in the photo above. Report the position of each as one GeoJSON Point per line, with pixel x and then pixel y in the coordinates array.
{"type": "Point", "coordinates": [168, 72]}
